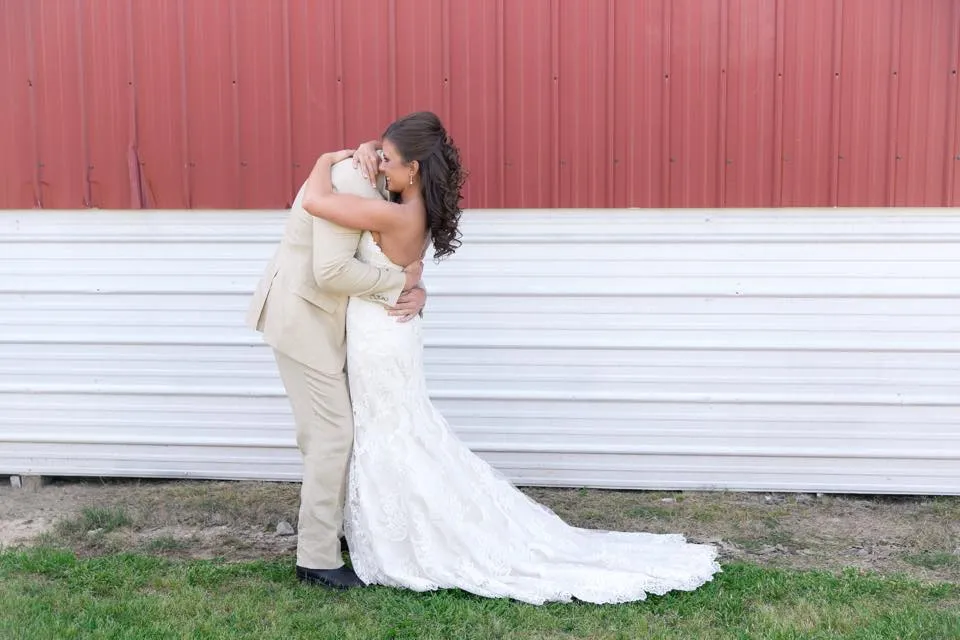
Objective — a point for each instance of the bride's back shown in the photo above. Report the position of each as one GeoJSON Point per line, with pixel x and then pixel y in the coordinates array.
{"type": "Point", "coordinates": [407, 243]}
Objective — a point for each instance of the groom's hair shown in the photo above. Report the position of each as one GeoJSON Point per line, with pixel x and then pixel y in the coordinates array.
{"type": "Point", "coordinates": [421, 136]}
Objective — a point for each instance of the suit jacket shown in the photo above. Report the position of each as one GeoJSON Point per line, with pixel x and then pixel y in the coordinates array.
{"type": "Point", "coordinates": [300, 302]}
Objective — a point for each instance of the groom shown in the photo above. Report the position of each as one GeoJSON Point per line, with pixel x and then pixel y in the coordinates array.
{"type": "Point", "coordinates": [300, 307]}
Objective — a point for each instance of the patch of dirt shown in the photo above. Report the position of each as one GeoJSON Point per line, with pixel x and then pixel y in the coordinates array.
{"type": "Point", "coordinates": [917, 536]}
{"type": "Point", "coordinates": [20, 530]}
{"type": "Point", "coordinates": [188, 519]}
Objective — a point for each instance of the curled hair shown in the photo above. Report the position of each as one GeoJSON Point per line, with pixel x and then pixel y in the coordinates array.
{"type": "Point", "coordinates": [421, 136]}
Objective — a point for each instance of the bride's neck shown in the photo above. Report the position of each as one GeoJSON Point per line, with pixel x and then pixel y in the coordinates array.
{"type": "Point", "coordinates": [410, 194]}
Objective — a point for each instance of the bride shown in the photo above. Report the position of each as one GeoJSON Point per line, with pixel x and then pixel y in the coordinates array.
{"type": "Point", "coordinates": [422, 511]}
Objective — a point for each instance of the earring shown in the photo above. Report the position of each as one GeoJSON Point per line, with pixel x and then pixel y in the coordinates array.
{"type": "Point", "coordinates": [411, 178]}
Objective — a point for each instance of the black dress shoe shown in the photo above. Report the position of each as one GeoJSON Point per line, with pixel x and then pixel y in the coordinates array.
{"type": "Point", "coordinates": [342, 578]}
{"type": "Point", "coordinates": [344, 547]}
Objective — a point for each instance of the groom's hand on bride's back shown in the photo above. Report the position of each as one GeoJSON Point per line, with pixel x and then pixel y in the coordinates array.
{"type": "Point", "coordinates": [409, 305]}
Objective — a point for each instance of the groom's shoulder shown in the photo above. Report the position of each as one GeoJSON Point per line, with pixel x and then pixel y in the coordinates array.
{"type": "Point", "coordinates": [348, 179]}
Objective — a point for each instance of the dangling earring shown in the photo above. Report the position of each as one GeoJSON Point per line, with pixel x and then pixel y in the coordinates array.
{"type": "Point", "coordinates": [411, 177]}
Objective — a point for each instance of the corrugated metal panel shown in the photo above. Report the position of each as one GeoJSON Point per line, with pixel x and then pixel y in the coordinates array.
{"type": "Point", "coordinates": [640, 155]}
{"type": "Point", "coordinates": [263, 95]}
{"type": "Point", "coordinates": [806, 350]}
{"type": "Point", "coordinates": [869, 87]}
{"type": "Point", "coordinates": [19, 184]}
{"type": "Point", "coordinates": [753, 105]}
{"type": "Point", "coordinates": [106, 57]}
{"type": "Point", "coordinates": [161, 108]}
{"type": "Point", "coordinates": [58, 85]}
{"type": "Point", "coordinates": [694, 120]}
{"type": "Point", "coordinates": [654, 103]}
{"type": "Point", "coordinates": [923, 110]}
{"type": "Point", "coordinates": [529, 85]}
{"type": "Point", "coordinates": [811, 92]}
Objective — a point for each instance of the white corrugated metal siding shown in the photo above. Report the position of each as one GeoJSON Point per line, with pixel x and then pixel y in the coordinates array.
{"type": "Point", "coordinates": [787, 350]}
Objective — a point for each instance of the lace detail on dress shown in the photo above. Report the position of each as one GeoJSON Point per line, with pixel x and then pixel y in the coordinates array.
{"type": "Point", "coordinates": [423, 512]}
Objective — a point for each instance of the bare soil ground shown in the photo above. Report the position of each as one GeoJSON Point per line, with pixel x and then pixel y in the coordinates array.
{"type": "Point", "coordinates": [916, 536]}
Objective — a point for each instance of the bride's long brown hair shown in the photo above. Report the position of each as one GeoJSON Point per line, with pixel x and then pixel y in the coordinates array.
{"type": "Point", "coordinates": [421, 136]}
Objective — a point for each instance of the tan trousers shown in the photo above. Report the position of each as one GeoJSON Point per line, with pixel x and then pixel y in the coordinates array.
{"type": "Point", "coordinates": [324, 419]}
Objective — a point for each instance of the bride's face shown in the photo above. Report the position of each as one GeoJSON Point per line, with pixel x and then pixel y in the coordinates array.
{"type": "Point", "coordinates": [396, 171]}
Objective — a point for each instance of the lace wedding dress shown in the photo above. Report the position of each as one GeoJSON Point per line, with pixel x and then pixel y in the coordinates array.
{"type": "Point", "coordinates": [423, 512]}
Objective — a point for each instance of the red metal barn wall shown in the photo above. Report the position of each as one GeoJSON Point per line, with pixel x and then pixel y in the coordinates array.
{"type": "Point", "coordinates": [555, 103]}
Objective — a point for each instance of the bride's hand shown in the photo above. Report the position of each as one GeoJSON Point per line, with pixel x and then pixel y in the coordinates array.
{"type": "Point", "coordinates": [367, 160]}
{"type": "Point", "coordinates": [336, 156]}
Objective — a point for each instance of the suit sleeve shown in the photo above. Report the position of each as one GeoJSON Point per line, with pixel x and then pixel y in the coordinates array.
{"type": "Point", "coordinates": [337, 270]}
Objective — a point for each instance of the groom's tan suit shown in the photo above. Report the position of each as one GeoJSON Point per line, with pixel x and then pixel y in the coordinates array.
{"type": "Point", "coordinates": [300, 307]}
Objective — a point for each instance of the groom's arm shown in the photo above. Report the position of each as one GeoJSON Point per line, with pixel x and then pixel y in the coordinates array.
{"type": "Point", "coordinates": [337, 270]}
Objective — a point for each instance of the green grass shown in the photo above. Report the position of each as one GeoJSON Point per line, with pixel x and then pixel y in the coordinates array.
{"type": "Point", "coordinates": [934, 560]}
{"type": "Point", "coordinates": [166, 543]}
{"type": "Point", "coordinates": [649, 513]}
{"type": "Point", "coordinates": [47, 593]}
{"type": "Point", "coordinates": [99, 519]}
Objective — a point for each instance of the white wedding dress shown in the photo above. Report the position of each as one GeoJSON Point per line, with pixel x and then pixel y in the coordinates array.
{"type": "Point", "coordinates": [423, 512]}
